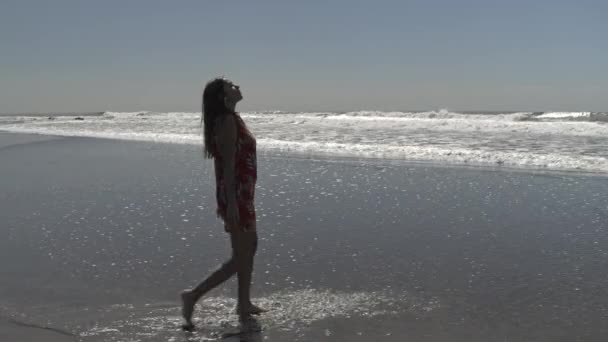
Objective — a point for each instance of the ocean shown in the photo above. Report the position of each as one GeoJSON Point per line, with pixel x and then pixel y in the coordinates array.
{"type": "Point", "coordinates": [560, 141]}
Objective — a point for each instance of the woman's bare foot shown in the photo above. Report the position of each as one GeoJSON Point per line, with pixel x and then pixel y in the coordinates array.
{"type": "Point", "coordinates": [188, 301]}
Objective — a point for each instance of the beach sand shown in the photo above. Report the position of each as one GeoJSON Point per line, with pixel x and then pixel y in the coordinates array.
{"type": "Point", "coordinates": [101, 235]}
{"type": "Point", "coordinates": [11, 331]}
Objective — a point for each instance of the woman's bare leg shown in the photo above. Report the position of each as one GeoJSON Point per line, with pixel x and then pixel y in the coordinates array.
{"type": "Point", "coordinates": [190, 297]}
{"type": "Point", "coordinates": [246, 246]}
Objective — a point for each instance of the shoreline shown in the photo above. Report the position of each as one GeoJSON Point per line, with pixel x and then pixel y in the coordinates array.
{"type": "Point", "coordinates": [277, 154]}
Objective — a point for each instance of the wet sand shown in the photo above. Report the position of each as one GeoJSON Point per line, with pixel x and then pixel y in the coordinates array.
{"type": "Point", "coordinates": [101, 235]}
{"type": "Point", "coordinates": [16, 331]}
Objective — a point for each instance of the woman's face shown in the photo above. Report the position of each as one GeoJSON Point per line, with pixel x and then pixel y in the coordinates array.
{"type": "Point", "coordinates": [232, 92]}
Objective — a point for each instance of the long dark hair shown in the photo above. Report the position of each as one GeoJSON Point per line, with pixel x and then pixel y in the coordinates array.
{"type": "Point", "coordinates": [213, 107]}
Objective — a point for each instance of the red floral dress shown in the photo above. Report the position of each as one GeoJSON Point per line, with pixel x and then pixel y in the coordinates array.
{"type": "Point", "coordinates": [246, 176]}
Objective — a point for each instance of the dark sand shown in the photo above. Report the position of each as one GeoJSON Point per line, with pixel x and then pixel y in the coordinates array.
{"type": "Point", "coordinates": [101, 235]}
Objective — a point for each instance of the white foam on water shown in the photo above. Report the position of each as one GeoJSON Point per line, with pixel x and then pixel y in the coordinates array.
{"type": "Point", "coordinates": [561, 115]}
{"type": "Point", "coordinates": [555, 140]}
{"type": "Point", "coordinates": [439, 154]}
{"type": "Point", "coordinates": [574, 116]}
{"type": "Point", "coordinates": [397, 116]}
{"type": "Point", "coordinates": [287, 311]}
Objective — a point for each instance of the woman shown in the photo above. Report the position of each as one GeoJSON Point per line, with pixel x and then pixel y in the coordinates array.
{"type": "Point", "coordinates": [233, 148]}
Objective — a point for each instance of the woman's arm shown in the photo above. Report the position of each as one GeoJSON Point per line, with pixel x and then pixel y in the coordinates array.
{"type": "Point", "coordinates": [226, 140]}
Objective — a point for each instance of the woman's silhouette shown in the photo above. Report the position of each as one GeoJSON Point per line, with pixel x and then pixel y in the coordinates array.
{"type": "Point", "coordinates": [233, 148]}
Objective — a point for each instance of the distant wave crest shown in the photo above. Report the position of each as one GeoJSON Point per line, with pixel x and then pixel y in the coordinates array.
{"type": "Point", "coordinates": [445, 114]}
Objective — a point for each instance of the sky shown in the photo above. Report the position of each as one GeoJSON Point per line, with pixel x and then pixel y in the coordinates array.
{"type": "Point", "coordinates": [131, 55]}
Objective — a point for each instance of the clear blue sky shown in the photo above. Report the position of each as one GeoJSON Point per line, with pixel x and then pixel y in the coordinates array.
{"type": "Point", "coordinates": [304, 55]}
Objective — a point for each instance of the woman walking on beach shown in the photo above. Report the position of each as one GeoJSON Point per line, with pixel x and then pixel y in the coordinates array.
{"type": "Point", "coordinates": [233, 148]}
